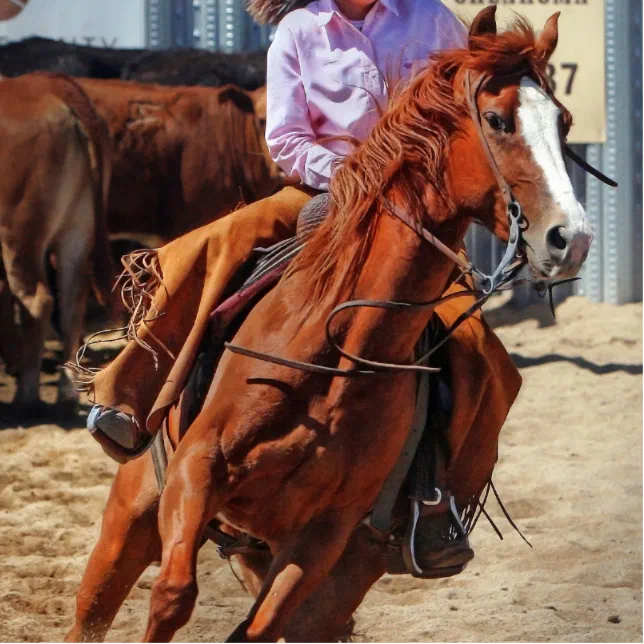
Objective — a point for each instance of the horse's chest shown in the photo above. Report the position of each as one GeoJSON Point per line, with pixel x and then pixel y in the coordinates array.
{"type": "Point", "coordinates": [336, 452]}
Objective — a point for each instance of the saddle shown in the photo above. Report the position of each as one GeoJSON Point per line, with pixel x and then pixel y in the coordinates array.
{"type": "Point", "coordinates": [420, 474]}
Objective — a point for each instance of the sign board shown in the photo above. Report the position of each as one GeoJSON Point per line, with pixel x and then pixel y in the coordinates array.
{"type": "Point", "coordinates": [576, 69]}
{"type": "Point", "coordinates": [112, 23]}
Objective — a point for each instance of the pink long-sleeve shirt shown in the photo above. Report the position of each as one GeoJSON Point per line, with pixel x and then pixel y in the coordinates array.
{"type": "Point", "coordinates": [326, 77]}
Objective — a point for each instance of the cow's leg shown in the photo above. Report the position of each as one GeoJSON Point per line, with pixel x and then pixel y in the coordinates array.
{"type": "Point", "coordinates": [299, 568]}
{"type": "Point", "coordinates": [25, 267]}
{"type": "Point", "coordinates": [73, 248]}
{"type": "Point", "coordinates": [129, 542]}
{"type": "Point", "coordinates": [10, 335]}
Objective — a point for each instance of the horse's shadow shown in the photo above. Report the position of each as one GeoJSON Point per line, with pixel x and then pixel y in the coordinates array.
{"type": "Point", "coordinates": [523, 362]}
{"type": "Point", "coordinates": [512, 313]}
{"type": "Point", "coordinates": [43, 413]}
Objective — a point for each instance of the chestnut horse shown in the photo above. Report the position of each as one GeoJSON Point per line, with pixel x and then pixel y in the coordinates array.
{"type": "Point", "coordinates": [297, 459]}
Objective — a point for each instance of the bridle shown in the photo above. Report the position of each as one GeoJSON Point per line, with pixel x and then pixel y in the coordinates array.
{"type": "Point", "coordinates": [503, 276]}
{"type": "Point", "coordinates": [511, 260]}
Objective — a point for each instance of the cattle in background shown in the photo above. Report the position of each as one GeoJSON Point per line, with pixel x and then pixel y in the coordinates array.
{"type": "Point", "coordinates": [43, 54]}
{"type": "Point", "coordinates": [183, 156]}
{"type": "Point", "coordinates": [198, 67]}
{"type": "Point", "coordinates": [9, 333]}
{"type": "Point", "coordinates": [54, 182]}
{"type": "Point", "coordinates": [172, 67]}
{"type": "Point", "coordinates": [178, 158]}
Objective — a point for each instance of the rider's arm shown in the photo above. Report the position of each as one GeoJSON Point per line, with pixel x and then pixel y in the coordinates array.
{"type": "Point", "coordinates": [289, 134]}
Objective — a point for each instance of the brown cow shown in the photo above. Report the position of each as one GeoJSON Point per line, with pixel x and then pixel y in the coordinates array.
{"type": "Point", "coordinates": [184, 156]}
{"type": "Point", "coordinates": [54, 181]}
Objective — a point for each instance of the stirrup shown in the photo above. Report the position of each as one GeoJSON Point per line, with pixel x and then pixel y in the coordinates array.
{"type": "Point", "coordinates": [409, 540]}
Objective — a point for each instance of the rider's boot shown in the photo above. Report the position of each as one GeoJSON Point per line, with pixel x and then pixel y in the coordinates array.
{"type": "Point", "coordinates": [435, 543]}
{"type": "Point", "coordinates": [118, 433]}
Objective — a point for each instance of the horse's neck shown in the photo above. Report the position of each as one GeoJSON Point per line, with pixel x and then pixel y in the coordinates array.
{"type": "Point", "coordinates": [400, 267]}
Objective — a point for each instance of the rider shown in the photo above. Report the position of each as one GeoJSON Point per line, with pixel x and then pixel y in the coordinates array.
{"type": "Point", "coordinates": [327, 70]}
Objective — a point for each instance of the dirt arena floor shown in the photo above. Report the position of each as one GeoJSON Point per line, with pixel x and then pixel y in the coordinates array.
{"type": "Point", "coordinates": [570, 473]}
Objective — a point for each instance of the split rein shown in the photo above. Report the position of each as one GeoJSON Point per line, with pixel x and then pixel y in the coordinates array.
{"type": "Point", "coordinates": [502, 278]}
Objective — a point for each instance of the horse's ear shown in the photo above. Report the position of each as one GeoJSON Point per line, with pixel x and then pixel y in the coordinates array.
{"type": "Point", "coordinates": [484, 24]}
{"type": "Point", "coordinates": [547, 41]}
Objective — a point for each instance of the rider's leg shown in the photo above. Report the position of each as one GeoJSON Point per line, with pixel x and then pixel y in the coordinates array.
{"type": "Point", "coordinates": [194, 272]}
{"type": "Point", "coordinates": [483, 384]}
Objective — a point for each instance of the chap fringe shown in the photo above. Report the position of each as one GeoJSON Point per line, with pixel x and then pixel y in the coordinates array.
{"type": "Point", "coordinates": [139, 283]}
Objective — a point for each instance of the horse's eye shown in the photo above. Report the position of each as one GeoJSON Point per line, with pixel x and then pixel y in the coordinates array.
{"type": "Point", "coordinates": [495, 121]}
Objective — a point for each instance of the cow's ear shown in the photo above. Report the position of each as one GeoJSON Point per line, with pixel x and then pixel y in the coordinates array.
{"type": "Point", "coordinates": [483, 25]}
{"type": "Point", "coordinates": [238, 97]}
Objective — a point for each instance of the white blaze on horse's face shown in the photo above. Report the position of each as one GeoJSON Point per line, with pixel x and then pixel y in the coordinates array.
{"type": "Point", "coordinates": [567, 233]}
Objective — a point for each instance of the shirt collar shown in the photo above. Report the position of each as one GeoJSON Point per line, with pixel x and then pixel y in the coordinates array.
{"type": "Point", "coordinates": [328, 7]}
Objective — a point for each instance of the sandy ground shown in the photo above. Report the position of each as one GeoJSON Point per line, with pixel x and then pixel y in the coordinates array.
{"type": "Point", "coordinates": [570, 473]}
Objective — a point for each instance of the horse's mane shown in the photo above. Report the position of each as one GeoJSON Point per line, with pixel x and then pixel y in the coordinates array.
{"type": "Point", "coordinates": [407, 151]}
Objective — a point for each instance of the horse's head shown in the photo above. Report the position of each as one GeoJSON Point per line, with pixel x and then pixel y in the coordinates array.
{"type": "Point", "coordinates": [524, 126]}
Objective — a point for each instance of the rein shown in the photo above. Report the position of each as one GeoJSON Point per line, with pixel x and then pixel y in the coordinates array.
{"type": "Point", "coordinates": [503, 276]}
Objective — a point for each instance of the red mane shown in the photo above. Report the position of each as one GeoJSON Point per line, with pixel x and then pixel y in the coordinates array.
{"type": "Point", "coordinates": [407, 150]}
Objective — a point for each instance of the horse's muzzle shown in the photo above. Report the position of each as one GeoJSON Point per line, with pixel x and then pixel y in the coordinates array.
{"type": "Point", "coordinates": [567, 250]}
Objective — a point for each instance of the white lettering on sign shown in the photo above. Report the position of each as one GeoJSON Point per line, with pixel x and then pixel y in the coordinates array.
{"type": "Point", "coordinates": [91, 41]}
{"type": "Point", "coordinates": [117, 23]}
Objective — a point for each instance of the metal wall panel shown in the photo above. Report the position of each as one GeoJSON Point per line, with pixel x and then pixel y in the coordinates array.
{"type": "Point", "coordinates": [613, 271]}
{"type": "Point", "coordinates": [206, 24]}
{"type": "Point", "coordinates": [158, 24]}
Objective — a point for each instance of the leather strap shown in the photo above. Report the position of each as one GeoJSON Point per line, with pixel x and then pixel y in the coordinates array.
{"type": "Point", "coordinates": [380, 517]}
{"type": "Point", "coordinates": [466, 267]}
{"type": "Point", "coordinates": [159, 459]}
{"type": "Point", "coordinates": [471, 92]}
{"type": "Point", "coordinates": [589, 168]}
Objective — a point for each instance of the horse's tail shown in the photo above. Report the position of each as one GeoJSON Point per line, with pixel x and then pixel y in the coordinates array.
{"type": "Point", "coordinates": [99, 147]}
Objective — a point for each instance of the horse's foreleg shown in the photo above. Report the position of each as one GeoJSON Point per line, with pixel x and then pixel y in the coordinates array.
{"type": "Point", "coordinates": [184, 510]}
{"type": "Point", "coordinates": [129, 542]}
{"type": "Point", "coordinates": [254, 569]}
{"type": "Point", "coordinates": [326, 614]}
{"type": "Point", "coordinates": [297, 570]}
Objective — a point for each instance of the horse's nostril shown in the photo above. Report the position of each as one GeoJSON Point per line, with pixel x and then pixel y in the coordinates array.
{"type": "Point", "coordinates": [556, 238]}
